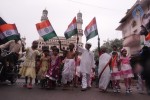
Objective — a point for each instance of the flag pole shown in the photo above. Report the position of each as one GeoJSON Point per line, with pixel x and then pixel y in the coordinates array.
{"type": "Point", "coordinates": [77, 41]}
{"type": "Point", "coordinates": [58, 38]}
{"type": "Point", "coordinates": [98, 44]}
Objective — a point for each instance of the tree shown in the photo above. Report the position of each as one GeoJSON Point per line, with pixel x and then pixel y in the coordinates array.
{"type": "Point", "coordinates": [108, 44]}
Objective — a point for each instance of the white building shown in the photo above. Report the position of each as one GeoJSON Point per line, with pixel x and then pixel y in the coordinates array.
{"type": "Point", "coordinates": [65, 43]}
{"type": "Point", "coordinates": [131, 27]}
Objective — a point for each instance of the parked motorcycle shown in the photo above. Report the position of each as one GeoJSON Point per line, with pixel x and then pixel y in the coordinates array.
{"type": "Point", "coordinates": [8, 71]}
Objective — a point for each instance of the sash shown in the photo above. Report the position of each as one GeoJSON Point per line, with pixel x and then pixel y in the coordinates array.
{"type": "Point", "coordinates": [104, 69]}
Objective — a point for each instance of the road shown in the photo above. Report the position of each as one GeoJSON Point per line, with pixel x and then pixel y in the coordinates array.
{"type": "Point", "coordinates": [17, 92]}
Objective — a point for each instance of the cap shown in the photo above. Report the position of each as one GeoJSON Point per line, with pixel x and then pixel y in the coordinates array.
{"type": "Point", "coordinates": [89, 43]}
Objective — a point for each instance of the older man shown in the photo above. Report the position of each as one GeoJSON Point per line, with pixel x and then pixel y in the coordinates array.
{"type": "Point", "coordinates": [86, 65]}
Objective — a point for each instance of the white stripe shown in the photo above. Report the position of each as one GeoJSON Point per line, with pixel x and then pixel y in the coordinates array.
{"type": "Point", "coordinates": [72, 27]}
{"type": "Point", "coordinates": [45, 31]}
{"type": "Point", "coordinates": [91, 29]}
{"type": "Point", "coordinates": [10, 33]}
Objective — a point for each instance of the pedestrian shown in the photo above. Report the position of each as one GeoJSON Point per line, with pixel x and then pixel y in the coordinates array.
{"type": "Point", "coordinates": [53, 70]}
{"type": "Point", "coordinates": [126, 70]}
{"type": "Point", "coordinates": [86, 65]}
{"type": "Point", "coordinates": [44, 65]}
{"type": "Point", "coordinates": [104, 70]}
{"type": "Point", "coordinates": [145, 62]}
{"type": "Point", "coordinates": [140, 81]}
{"type": "Point", "coordinates": [115, 72]}
{"type": "Point", "coordinates": [69, 66]}
{"type": "Point", "coordinates": [28, 68]}
{"type": "Point", "coordinates": [115, 49]}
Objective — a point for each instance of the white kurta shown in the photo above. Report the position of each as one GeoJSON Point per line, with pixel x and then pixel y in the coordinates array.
{"type": "Point", "coordinates": [87, 61]}
{"type": "Point", "coordinates": [105, 77]}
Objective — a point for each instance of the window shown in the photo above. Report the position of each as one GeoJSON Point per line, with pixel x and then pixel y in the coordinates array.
{"type": "Point", "coordinates": [134, 23]}
{"type": "Point", "coordinates": [135, 31]}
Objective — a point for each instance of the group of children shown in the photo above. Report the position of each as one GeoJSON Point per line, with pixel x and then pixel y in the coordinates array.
{"type": "Point", "coordinates": [53, 70]}
{"type": "Point", "coordinates": [121, 69]}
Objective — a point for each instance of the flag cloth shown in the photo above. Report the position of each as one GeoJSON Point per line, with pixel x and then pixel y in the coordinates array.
{"type": "Point", "coordinates": [138, 12]}
{"type": "Point", "coordinates": [91, 29]}
{"type": "Point", "coordinates": [147, 37]}
{"type": "Point", "coordinates": [9, 32]}
{"type": "Point", "coordinates": [45, 30]}
{"type": "Point", "coordinates": [72, 29]}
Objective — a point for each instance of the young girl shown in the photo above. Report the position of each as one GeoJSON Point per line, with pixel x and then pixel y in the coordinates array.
{"type": "Point", "coordinates": [53, 71]}
{"type": "Point", "coordinates": [115, 73]}
{"type": "Point", "coordinates": [126, 70]}
{"type": "Point", "coordinates": [28, 69]}
{"type": "Point", "coordinates": [44, 64]}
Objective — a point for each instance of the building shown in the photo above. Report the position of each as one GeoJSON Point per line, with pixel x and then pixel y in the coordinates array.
{"type": "Point", "coordinates": [65, 43]}
{"type": "Point", "coordinates": [131, 27]}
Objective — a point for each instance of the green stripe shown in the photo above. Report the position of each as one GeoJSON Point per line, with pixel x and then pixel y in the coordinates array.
{"type": "Point", "coordinates": [71, 33]}
{"type": "Point", "coordinates": [12, 37]}
{"type": "Point", "coordinates": [91, 35]}
{"type": "Point", "coordinates": [49, 36]}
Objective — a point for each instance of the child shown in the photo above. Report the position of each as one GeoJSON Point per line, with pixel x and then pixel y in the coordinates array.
{"type": "Point", "coordinates": [53, 71]}
{"type": "Point", "coordinates": [28, 69]}
{"type": "Point", "coordinates": [115, 73]}
{"type": "Point", "coordinates": [44, 64]}
{"type": "Point", "coordinates": [126, 70]}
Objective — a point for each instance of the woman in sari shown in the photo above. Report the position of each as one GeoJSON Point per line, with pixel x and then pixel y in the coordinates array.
{"type": "Point", "coordinates": [104, 70]}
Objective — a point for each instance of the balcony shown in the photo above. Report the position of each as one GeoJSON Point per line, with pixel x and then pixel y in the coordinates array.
{"type": "Point", "coordinates": [131, 40]}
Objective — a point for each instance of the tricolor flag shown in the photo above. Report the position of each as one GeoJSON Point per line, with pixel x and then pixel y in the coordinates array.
{"type": "Point", "coordinates": [9, 32]}
{"type": "Point", "coordinates": [72, 29]}
{"type": "Point", "coordinates": [45, 30]}
{"type": "Point", "coordinates": [91, 29]}
{"type": "Point", "coordinates": [147, 37]}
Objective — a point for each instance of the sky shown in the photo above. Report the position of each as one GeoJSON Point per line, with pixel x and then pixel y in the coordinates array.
{"type": "Point", "coordinates": [26, 13]}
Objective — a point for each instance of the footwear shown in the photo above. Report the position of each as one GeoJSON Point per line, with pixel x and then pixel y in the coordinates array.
{"type": "Point", "coordinates": [130, 90]}
{"type": "Point", "coordinates": [127, 91]}
{"type": "Point", "coordinates": [83, 89]}
{"type": "Point", "coordinates": [30, 86]}
{"type": "Point", "coordinates": [25, 85]}
{"type": "Point", "coordinates": [102, 90]}
{"type": "Point", "coordinates": [118, 90]}
{"type": "Point", "coordinates": [115, 90]}
{"type": "Point", "coordinates": [89, 87]}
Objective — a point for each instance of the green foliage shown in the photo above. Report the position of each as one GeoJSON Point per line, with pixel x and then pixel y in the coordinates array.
{"type": "Point", "coordinates": [108, 44]}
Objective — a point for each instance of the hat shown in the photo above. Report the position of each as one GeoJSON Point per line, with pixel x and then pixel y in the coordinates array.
{"type": "Point", "coordinates": [89, 43]}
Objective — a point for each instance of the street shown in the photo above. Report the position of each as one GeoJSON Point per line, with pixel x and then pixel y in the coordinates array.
{"type": "Point", "coordinates": [17, 92]}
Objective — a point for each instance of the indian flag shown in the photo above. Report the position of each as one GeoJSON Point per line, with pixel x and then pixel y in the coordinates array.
{"type": "Point", "coordinates": [91, 29]}
{"type": "Point", "coordinates": [9, 32]}
{"type": "Point", "coordinates": [72, 29]}
{"type": "Point", "coordinates": [147, 37]}
{"type": "Point", "coordinates": [45, 30]}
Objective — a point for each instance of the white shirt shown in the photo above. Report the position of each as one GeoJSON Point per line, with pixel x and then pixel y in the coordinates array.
{"type": "Point", "coordinates": [87, 61]}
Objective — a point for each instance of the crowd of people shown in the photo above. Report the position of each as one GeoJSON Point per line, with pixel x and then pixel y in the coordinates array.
{"type": "Point", "coordinates": [79, 68]}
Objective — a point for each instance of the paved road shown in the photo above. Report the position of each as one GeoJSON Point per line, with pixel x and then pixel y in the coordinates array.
{"type": "Point", "coordinates": [17, 92]}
